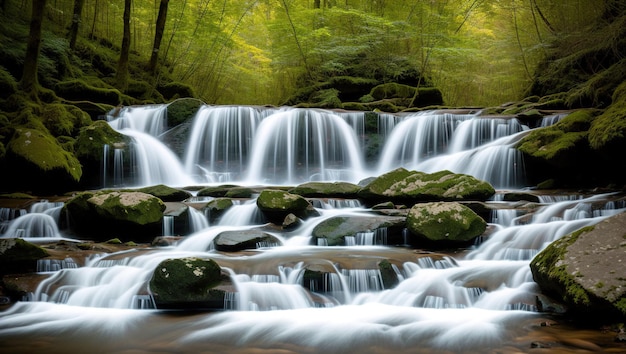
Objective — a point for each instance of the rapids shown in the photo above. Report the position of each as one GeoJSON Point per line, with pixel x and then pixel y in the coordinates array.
{"type": "Point", "coordinates": [482, 299]}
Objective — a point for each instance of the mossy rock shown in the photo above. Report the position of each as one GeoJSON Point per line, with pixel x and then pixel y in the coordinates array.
{"type": "Point", "coordinates": [174, 90]}
{"type": "Point", "coordinates": [127, 215]}
{"type": "Point", "coordinates": [217, 207]}
{"type": "Point", "coordinates": [89, 149]}
{"type": "Point", "coordinates": [61, 119]}
{"type": "Point", "coordinates": [584, 271]}
{"type": "Point", "coordinates": [326, 189]}
{"type": "Point", "coordinates": [215, 191]}
{"type": "Point", "coordinates": [166, 193]}
{"type": "Point", "coordinates": [403, 186]}
{"type": "Point", "coordinates": [277, 204]}
{"type": "Point", "coordinates": [182, 110]}
{"type": "Point", "coordinates": [35, 156]}
{"type": "Point", "coordinates": [187, 283]}
{"type": "Point", "coordinates": [240, 192]}
{"type": "Point", "coordinates": [443, 223]}
{"type": "Point", "coordinates": [608, 130]}
{"type": "Point", "coordinates": [79, 90]}
{"type": "Point", "coordinates": [19, 256]}
{"type": "Point", "coordinates": [427, 96]}
{"type": "Point", "coordinates": [335, 229]}
{"type": "Point", "coordinates": [392, 90]}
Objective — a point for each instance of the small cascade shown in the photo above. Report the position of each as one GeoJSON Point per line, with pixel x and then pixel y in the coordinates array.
{"type": "Point", "coordinates": [243, 214]}
{"type": "Point", "coordinates": [197, 220]}
{"type": "Point", "coordinates": [53, 265]}
{"type": "Point", "coordinates": [168, 225]}
{"type": "Point", "coordinates": [32, 225]}
{"type": "Point", "coordinates": [296, 146]}
{"type": "Point", "coordinates": [151, 120]}
{"type": "Point", "coordinates": [221, 142]}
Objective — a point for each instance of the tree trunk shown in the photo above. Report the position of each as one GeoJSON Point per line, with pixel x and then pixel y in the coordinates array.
{"type": "Point", "coordinates": [76, 19]}
{"type": "Point", "coordinates": [121, 77]}
{"type": "Point", "coordinates": [158, 35]}
{"type": "Point", "coordinates": [29, 80]}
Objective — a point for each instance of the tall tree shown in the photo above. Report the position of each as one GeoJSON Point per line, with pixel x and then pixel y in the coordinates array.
{"type": "Point", "coordinates": [29, 80]}
{"type": "Point", "coordinates": [76, 19]}
{"type": "Point", "coordinates": [121, 77]}
{"type": "Point", "coordinates": [158, 34]}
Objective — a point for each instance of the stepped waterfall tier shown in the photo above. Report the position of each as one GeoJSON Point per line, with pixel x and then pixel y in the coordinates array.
{"type": "Point", "coordinates": [291, 292]}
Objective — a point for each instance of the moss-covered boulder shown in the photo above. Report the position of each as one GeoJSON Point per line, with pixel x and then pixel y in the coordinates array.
{"type": "Point", "coordinates": [89, 149]}
{"type": "Point", "coordinates": [333, 231]}
{"type": "Point", "coordinates": [127, 215]}
{"type": "Point", "coordinates": [326, 190]}
{"type": "Point", "coordinates": [443, 224]}
{"type": "Point", "coordinates": [239, 240]}
{"type": "Point", "coordinates": [217, 207]}
{"type": "Point", "coordinates": [403, 186]}
{"type": "Point", "coordinates": [64, 120]}
{"type": "Point", "coordinates": [166, 193]}
{"type": "Point", "coordinates": [277, 204]}
{"type": "Point", "coordinates": [579, 150]}
{"type": "Point", "coordinates": [585, 271]}
{"type": "Point", "coordinates": [187, 283]}
{"type": "Point", "coordinates": [215, 191]}
{"type": "Point", "coordinates": [36, 161]}
{"type": "Point", "coordinates": [19, 256]}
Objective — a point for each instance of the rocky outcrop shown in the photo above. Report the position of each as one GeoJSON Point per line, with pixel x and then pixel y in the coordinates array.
{"type": "Point", "coordinates": [403, 186]}
{"type": "Point", "coordinates": [585, 270]}
{"type": "Point", "coordinates": [333, 231]}
{"type": "Point", "coordinates": [443, 224]}
{"type": "Point", "coordinates": [233, 241]}
{"type": "Point", "coordinates": [187, 283]}
{"type": "Point", "coordinates": [131, 215]}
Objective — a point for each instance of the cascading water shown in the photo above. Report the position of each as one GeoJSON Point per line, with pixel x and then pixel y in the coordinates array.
{"type": "Point", "coordinates": [305, 298]}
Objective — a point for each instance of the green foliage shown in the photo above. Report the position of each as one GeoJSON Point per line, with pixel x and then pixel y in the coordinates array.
{"type": "Point", "coordinates": [608, 131]}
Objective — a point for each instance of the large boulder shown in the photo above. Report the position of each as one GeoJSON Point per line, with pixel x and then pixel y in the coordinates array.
{"type": "Point", "coordinates": [187, 283]}
{"type": "Point", "coordinates": [216, 208]}
{"type": "Point", "coordinates": [277, 204]}
{"type": "Point", "coordinates": [585, 270]}
{"type": "Point", "coordinates": [333, 231]}
{"type": "Point", "coordinates": [19, 256]}
{"type": "Point", "coordinates": [233, 241]}
{"type": "Point", "coordinates": [403, 186]}
{"type": "Point", "coordinates": [104, 215]}
{"type": "Point", "coordinates": [39, 162]}
{"type": "Point", "coordinates": [444, 224]}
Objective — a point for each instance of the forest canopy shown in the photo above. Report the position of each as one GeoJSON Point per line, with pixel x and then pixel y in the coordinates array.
{"type": "Point", "coordinates": [476, 52]}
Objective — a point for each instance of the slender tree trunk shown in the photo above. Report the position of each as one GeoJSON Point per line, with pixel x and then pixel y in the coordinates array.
{"type": "Point", "coordinates": [76, 19]}
{"type": "Point", "coordinates": [29, 80]}
{"type": "Point", "coordinates": [158, 35]}
{"type": "Point", "coordinates": [295, 37]}
{"type": "Point", "coordinates": [121, 78]}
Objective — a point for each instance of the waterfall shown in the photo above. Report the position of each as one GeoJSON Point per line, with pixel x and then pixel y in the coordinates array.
{"type": "Point", "coordinates": [301, 297]}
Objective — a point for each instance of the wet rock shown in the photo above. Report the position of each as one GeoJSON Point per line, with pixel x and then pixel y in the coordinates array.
{"type": "Point", "coordinates": [443, 224]}
{"type": "Point", "coordinates": [187, 283]}
{"type": "Point", "coordinates": [233, 241]}
{"type": "Point", "coordinates": [166, 193]}
{"type": "Point", "coordinates": [333, 231]}
{"type": "Point", "coordinates": [19, 256]}
{"type": "Point", "coordinates": [403, 186]}
{"type": "Point", "coordinates": [277, 204]}
{"type": "Point", "coordinates": [217, 207]}
{"type": "Point", "coordinates": [130, 215]}
{"type": "Point", "coordinates": [585, 270]}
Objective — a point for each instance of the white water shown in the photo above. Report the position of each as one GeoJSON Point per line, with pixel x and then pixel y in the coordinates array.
{"type": "Point", "coordinates": [475, 303]}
